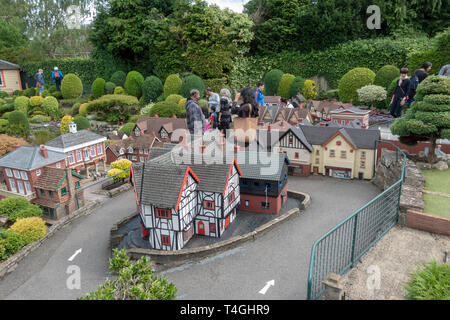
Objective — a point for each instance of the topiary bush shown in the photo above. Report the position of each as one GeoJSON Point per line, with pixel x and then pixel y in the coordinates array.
{"type": "Point", "coordinates": [172, 85]}
{"type": "Point", "coordinates": [271, 81]}
{"type": "Point", "coordinates": [371, 94]}
{"type": "Point", "coordinates": [18, 124]}
{"type": "Point", "coordinates": [109, 87]}
{"type": "Point", "coordinates": [284, 87]}
{"type": "Point", "coordinates": [22, 104]}
{"type": "Point", "coordinates": [296, 86]}
{"type": "Point", "coordinates": [9, 206]}
{"type": "Point", "coordinates": [385, 76]}
{"type": "Point", "coordinates": [119, 78]}
{"type": "Point", "coordinates": [83, 109]}
{"type": "Point", "coordinates": [119, 90]}
{"type": "Point", "coordinates": [164, 109]}
{"type": "Point", "coordinates": [181, 104]}
{"type": "Point", "coordinates": [352, 81]}
{"type": "Point", "coordinates": [82, 122]}
{"type": "Point", "coordinates": [192, 82]}
{"type": "Point", "coordinates": [12, 243]}
{"type": "Point", "coordinates": [65, 121]}
{"type": "Point", "coordinates": [36, 101]}
{"type": "Point", "coordinates": [31, 229]}
{"type": "Point", "coordinates": [4, 94]}
{"type": "Point", "coordinates": [309, 90]}
{"type": "Point", "coordinates": [152, 88]}
{"type": "Point", "coordinates": [98, 87]}
{"type": "Point", "coordinates": [174, 98]}
{"type": "Point", "coordinates": [71, 86]}
{"type": "Point", "coordinates": [133, 84]}
{"type": "Point", "coordinates": [3, 125]}
{"type": "Point", "coordinates": [51, 106]}
{"type": "Point", "coordinates": [30, 92]}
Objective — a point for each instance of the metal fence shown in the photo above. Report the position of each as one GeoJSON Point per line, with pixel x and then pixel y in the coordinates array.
{"type": "Point", "coordinates": [338, 249]}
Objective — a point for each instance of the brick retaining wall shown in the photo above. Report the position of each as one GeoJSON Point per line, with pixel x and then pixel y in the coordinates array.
{"type": "Point", "coordinates": [426, 222]}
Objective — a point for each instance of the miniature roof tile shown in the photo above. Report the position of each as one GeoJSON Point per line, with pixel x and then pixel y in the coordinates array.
{"type": "Point", "coordinates": [362, 138]}
{"type": "Point", "coordinates": [261, 165]}
{"type": "Point", "coordinates": [6, 65]}
{"type": "Point", "coordinates": [73, 139]}
{"type": "Point", "coordinates": [30, 158]}
{"type": "Point", "coordinates": [45, 202]}
{"type": "Point", "coordinates": [145, 141]}
{"type": "Point", "coordinates": [154, 124]}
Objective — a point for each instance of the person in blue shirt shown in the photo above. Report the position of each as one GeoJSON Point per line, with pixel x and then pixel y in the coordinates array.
{"type": "Point", "coordinates": [445, 71]}
{"type": "Point", "coordinates": [259, 96]}
{"type": "Point", "coordinates": [57, 77]}
{"type": "Point", "coordinates": [40, 81]}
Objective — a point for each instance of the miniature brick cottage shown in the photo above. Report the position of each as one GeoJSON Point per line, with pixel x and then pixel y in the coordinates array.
{"type": "Point", "coordinates": [134, 148]}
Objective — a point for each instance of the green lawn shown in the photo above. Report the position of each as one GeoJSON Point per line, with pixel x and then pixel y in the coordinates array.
{"type": "Point", "coordinates": [437, 205]}
{"type": "Point", "coordinates": [436, 180]}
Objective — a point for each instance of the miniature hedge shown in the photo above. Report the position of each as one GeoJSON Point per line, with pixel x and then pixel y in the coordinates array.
{"type": "Point", "coordinates": [309, 90]}
{"type": "Point", "coordinates": [51, 106]}
{"type": "Point", "coordinates": [352, 81]}
{"type": "Point", "coordinates": [271, 81]}
{"type": "Point", "coordinates": [36, 101]}
{"type": "Point", "coordinates": [109, 87]}
{"type": "Point", "coordinates": [152, 88]}
{"type": "Point", "coordinates": [119, 90]}
{"type": "Point", "coordinates": [174, 98]}
{"type": "Point", "coordinates": [133, 84]}
{"type": "Point", "coordinates": [71, 86]}
{"type": "Point", "coordinates": [18, 124]}
{"type": "Point", "coordinates": [22, 103]}
{"type": "Point", "coordinates": [98, 87]}
{"type": "Point", "coordinates": [10, 244]}
{"type": "Point", "coordinates": [385, 76]}
{"type": "Point", "coordinates": [65, 121]}
{"type": "Point", "coordinates": [118, 78]}
{"type": "Point", "coordinates": [297, 85]}
{"type": "Point", "coordinates": [82, 122]}
{"type": "Point", "coordinates": [172, 85]}
{"type": "Point", "coordinates": [164, 109]}
{"type": "Point", "coordinates": [17, 207]}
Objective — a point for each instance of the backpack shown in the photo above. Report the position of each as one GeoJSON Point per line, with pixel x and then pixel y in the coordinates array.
{"type": "Point", "coordinates": [414, 82]}
{"type": "Point", "coordinates": [57, 75]}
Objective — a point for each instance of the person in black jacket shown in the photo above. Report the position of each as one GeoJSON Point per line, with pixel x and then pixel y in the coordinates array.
{"type": "Point", "coordinates": [400, 94]}
{"type": "Point", "coordinates": [418, 76]}
{"type": "Point", "coordinates": [248, 107]}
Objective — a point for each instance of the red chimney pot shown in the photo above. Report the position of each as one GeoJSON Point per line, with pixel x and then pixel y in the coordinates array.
{"type": "Point", "coordinates": [44, 151]}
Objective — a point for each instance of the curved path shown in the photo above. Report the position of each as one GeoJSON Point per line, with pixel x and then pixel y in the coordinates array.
{"type": "Point", "coordinates": [281, 255]}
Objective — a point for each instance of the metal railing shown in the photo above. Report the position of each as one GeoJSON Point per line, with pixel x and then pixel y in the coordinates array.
{"type": "Point", "coordinates": [342, 246]}
{"type": "Point", "coordinates": [95, 183]}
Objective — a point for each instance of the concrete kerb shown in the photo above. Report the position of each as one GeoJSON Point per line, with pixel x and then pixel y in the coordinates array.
{"type": "Point", "coordinates": [167, 259]}
{"type": "Point", "coordinates": [10, 264]}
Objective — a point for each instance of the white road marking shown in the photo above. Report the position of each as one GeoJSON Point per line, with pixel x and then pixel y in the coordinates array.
{"type": "Point", "coordinates": [74, 255]}
{"type": "Point", "coordinates": [267, 286]}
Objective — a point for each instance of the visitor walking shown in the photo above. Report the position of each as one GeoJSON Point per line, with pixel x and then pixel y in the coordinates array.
{"type": "Point", "coordinates": [57, 77]}
{"type": "Point", "coordinates": [40, 81]}
{"type": "Point", "coordinates": [259, 96]}
{"type": "Point", "coordinates": [213, 119]}
{"type": "Point", "coordinates": [248, 107]}
{"type": "Point", "coordinates": [445, 71]}
{"type": "Point", "coordinates": [418, 76]}
{"type": "Point", "coordinates": [195, 119]}
{"type": "Point", "coordinates": [399, 97]}
{"type": "Point", "coordinates": [213, 99]}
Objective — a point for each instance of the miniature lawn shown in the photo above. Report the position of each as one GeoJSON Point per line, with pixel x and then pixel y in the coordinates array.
{"type": "Point", "coordinates": [436, 180]}
{"type": "Point", "coordinates": [437, 205]}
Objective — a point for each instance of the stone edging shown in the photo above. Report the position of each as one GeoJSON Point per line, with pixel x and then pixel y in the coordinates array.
{"type": "Point", "coordinates": [10, 264]}
{"type": "Point", "coordinates": [114, 192]}
{"type": "Point", "coordinates": [166, 259]}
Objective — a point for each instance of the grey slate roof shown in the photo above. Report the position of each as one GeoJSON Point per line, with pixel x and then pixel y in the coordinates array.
{"type": "Point", "coordinates": [5, 65]}
{"type": "Point", "coordinates": [30, 158]}
{"type": "Point", "coordinates": [72, 139]}
{"type": "Point", "coordinates": [261, 165]}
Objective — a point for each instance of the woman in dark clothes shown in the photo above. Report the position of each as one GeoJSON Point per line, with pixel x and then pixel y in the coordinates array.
{"type": "Point", "coordinates": [399, 97]}
{"type": "Point", "coordinates": [248, 107]}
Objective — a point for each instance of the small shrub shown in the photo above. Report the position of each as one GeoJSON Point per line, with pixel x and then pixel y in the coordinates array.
{"type": "Point", "coordinates": [172, 85]}
{"type": "Point", "coordinates": [12, 243]}
{"type": "Point", "coordinates": [65, 121]}
{"type": "Point", "coordinates": [385, 76]}
{"type": "Point", "coordinates": [164, 109]}
{"type": "Point", "coordinates": [83, 109]}
{"type": "Point", "coordinates": [3, 125]}
{"type": "Point", "coordinates": [432, 282]}
{"type": "Point", "coordinates": [38, 119]}
{"type": "Point", "coordinates": [22, 104]}
{"type": "Point", "coordinates": [71, 86]}
{"type": "Point", "coordinates": [309, 89]}
{"type": "Point", "coordinates": [127, 128]}
{"type": "Point", "coordinates": [272, 81]}
{"type": "Point", "coordinates": [51, 106]}
{"type": "Point", "coordinates": [31, 210]}
{"type": "Point", "coordinates": [75, 108]}
{"type": "Point", "coordinates": [146, 110]}
{"type": "Point", "coordinates": [174, 98]}
{"type": "Point", "coordinates": [18, 124]}
{"type": "Point", "coordinates": [152, 88]}
{"type": "Point", "coordinates": [56, 94]}
{"type": "Point", "coordinates": [371, 94]}
{"type": "Point", "coordinates": [352, 81]}
{"type": "Point", "coordinates": [192, 82]}
{"type": "Point", "coordinates": [30, 92]}
{"type": "Point", "coordinates": [43, 136]}
{"type": "Point", "coordinates": [119, 78]}
{"type": "Point", "coordinates": [36, 101]}
{"type": "Point", "coordinates": [82, 122]}
{"type": "Point", "coordinates": [31, 229]}
{"type": "Point", "coordinates": [98, 87]}
{"type": "Point", "coordinates": [109, 87]}
{"type": "Point", "coordinates": [181, 104]}
{"type": "Point", "coordinates": [284, 87]}
{"type": "Point", "coordinates": [134, 118]}
{"type": "Point", "coordinates": [119, 90]}
{"type": "Point", "coordinates": [121, 165]}
{"type": "Point", "coordinates": [11, 205]}
{"type": "Point", "coordinates": [4, 94]}
{"type": "Point", "coordinates": [133, 84]}
{"type": "Point", "coordinates": [6, 115]}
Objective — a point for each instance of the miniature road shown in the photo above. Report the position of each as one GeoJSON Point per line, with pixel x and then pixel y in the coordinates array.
{"type": "Point", "coordinates": [281, 255]}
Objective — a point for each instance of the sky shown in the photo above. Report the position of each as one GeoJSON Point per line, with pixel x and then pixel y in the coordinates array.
{"type": "Point", "coordinates": [234, 5]}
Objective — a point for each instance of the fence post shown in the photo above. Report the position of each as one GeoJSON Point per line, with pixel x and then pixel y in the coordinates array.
{"type": "Point", "coordinates": [355, 225]}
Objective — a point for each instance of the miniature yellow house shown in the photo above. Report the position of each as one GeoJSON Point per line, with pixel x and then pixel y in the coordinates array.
{"type": "Point", "coordinates": [9, 77]}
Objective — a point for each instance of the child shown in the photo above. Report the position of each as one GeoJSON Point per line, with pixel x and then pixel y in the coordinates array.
{"type": "Point", "coordinates": [213, 118]}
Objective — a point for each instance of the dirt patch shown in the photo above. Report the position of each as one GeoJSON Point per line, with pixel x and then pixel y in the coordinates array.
{"type": "Point", "coordinates": [398, 253]}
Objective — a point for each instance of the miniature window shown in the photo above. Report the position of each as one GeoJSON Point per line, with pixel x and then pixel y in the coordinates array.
{"type": "Point", "coordinates": [64, 191]}
{"type": "Point", "coordinates": [141, 159]}
{"type": "Point", "coordinates": [163, 213]}
{"type": "Point", "coordinates": [265, 205]}
{"type": "Point", "coordinates": [130, 150]}
{"type": "Point", "coordinates": [363, 154]}
{"type": "Point", "coordinates": [23, 175]}
{"type": "Point", "coordinates": [317, 161]}
{"type": "Point", "coordinates": [86, 155]}
{"type": "Point", "coordinates": [331, 153]}
{"type": "Point", "coordinates": [121, 151]}
{"type": "Point", "coordinates": [363, 164]}
{"type": "Point", "coordinates": [27, 187]}
{"type": "Point", "coordinates": [268, 186]}
{"type": "Point", "coordinates": [141, 151]}
{"type": "Point", "coordinates": [256, 184]}
{"type": "Point", "coordinates": [134, 158]}
{"type": "Point", "coordinates": [42, 192]}
{"type": "Point", "coordinates": [20, 185]}
{"type": "Point", "coordinates": [209, 205]}
{"type": "Point", "coordinates": [291, 139]}
{"type": "Point", "coordinates": [79, 158]}
{"type": "Point", "coordinates": [71, 159]}
{"type": "Point", "coordinates": [9, 172]}
{"type": "Point", "coordinates": [38, 172]}
{"type": "Point", "coordinates": [93, 154]}
{"type": "Point", "coordinates": [338, 143]}
{"type": "Point", "coordinates": [77, 184]}
{"type": "Point", "coordinates": [244, 184]}
{"type": "Point", "coordinates": [247, 203]}
{"type": "Point", "coordinates": [58, 164]}
{"type": "Point", "coordinates": [50, 193]}
{"type": "Point", "coordinates": [16, 174]}
{"type": "Point", "coordinates": [165, 240]}
{"type": "Point", "coordinates": [231, 197]}
{"type": "Point", "coordinates": [12, 184]}
{"type": "Point", "coordinates": [317, 152]}
{"type": "Point", "coordinates": [344, 154]}
{"type": "Point", "coordinates": [296, 155]}
{"type": "Point", "coordinates": [99, 148]}
{"type": "Point", "coordinates": [212, 228]}
{"type": "Point", "coordinates": [145, 151]}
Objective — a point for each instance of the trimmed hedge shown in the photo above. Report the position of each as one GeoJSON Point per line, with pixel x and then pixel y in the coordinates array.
{"type": "Point", "coordinates": [271, 82]}
{"type": "Point", "coordinates": [119, 78]}
{"type": "Point", "coordinates": [22, 104]}
{"type": "Point", "coordinates": [71, 86]}
{"type": "Point", "coordinates": [152, 88]}
{"type": "Point", "coordinates": [284, 88]}
{"type": "Point", "coordinates": [352, 81]}
{"type": "Point", "coordinates": [18, 124]}
{"type": "Point", "coordinates": [164, 109]}
{"type": "Point", "coordinates": [12, 243]}
{"type": "Point", "coordinates": [385, 75]}
{"type": "Point", "coordinates": [172, 85]}
{"type": "Point", "coordinates": [50, 106]}
{"type": "Point", "coordinates": [82, 122]}
{"type": "Point", "coordinates": [119, 90]}
{"type": "Point", "coordinates": [133, 84]}
{"type": "Point", "coordinates": [36, 101]}
{"type": "Point", "coordinates": [192, 82]}
{"type": "Point", "coordinates": [174, 98]}
{"type": "Point", "coordinates": [98, 87]}
{"type": "Point", "coordinates": [309, 90]}
{"type": "Point", "coordinates": [127, 128]}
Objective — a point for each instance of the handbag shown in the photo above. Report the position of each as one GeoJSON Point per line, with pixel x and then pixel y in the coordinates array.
{"type": "Point", "coordinates": [248, 126]}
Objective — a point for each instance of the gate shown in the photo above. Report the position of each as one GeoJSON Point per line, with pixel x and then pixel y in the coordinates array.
{"type": "Point", "coordinates": [342, 246]}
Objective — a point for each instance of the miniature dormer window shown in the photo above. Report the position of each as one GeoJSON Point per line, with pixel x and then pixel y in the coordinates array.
{"type": "Point", "coordinates": [137, 132]}
{"type": "Point", "coordinates": [72, 127]}
{"type": "Point", "coordinates": [130, 150]}
{"type": "Point", "coordinates": [121, 151]}
{"type": "Point", "coordinates": [164, 134]}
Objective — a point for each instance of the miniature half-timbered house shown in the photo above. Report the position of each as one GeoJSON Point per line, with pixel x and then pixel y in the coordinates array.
{"type": "Point", "coordinates": [135, 149]}
{"type": "Point", "coordinates": [263, 183]}
{"type": "Point", "coordinates": [163, 128]}
{"type": "Point", "coordinates": [176, 201]}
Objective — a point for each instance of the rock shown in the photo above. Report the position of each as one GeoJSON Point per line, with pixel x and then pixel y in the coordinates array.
{"type": "Point", "coordinates": [441, 165]}
{"type": "Point", "coordinates": [3, 221]}
{"type": "Point", "coordinates": [414, 177]}
{"type": "Point", "coordinates": [423, 165]}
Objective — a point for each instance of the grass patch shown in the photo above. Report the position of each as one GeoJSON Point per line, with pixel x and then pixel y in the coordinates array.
{"type": "Point", "coordinates": [437, 205]}
{"type": "Point", "coordinates": [430, 282]}
{"type": "Point", "coordinates": [436, 180]}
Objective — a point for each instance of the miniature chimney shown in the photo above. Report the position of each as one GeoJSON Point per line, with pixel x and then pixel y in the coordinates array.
{"type": "Point", "coordinates": [44, 151]}
{"type": "Point", "coordinates": [72, 127]}
{"type": "Point", "coordinates": [282, 123]}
